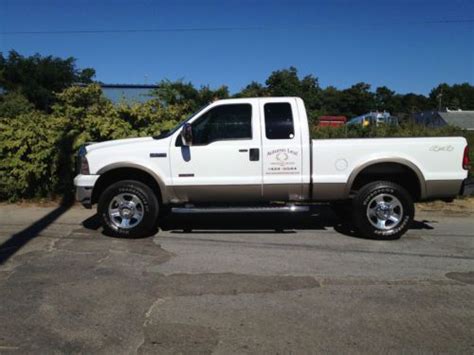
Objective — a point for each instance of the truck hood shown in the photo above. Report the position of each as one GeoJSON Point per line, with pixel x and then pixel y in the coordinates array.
{"type": "Point", "coordinates": [116, 143]}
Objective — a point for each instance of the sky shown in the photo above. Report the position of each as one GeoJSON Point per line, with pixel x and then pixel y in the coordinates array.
{"type": "Point", "coordinates": [407, 45]}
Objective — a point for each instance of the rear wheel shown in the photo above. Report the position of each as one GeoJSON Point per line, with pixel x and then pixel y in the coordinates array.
{"type": "Point", "coordinates": [128, 209]}
{"type": "Point", "coordinates": [383, 210]}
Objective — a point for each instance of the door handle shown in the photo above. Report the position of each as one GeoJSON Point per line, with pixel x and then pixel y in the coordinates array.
{"type": "Point", "coordinates": [243, 150]}
{"type": "Point", "coordinates": [254, 154]}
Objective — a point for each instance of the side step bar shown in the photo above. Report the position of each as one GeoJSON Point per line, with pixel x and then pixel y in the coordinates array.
{"type": "Point", "coordinates": [266, 209]}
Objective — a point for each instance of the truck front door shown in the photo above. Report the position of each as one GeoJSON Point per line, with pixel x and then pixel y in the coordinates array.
{"type": "Point", "coordinates": [224, 162]}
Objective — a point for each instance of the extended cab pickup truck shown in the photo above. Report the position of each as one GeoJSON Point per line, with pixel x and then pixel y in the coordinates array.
{"type": "Point", "coordinates": [250, 153]}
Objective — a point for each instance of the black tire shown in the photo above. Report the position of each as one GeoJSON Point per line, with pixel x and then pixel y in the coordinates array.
{"type": "Point", "coordinates": [147, 207]}
{"type": "Point", "coordinates": [382, 210]}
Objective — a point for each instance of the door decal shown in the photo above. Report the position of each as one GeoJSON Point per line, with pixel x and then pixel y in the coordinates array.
{"type": "Point", "coordinates": [282, 161]}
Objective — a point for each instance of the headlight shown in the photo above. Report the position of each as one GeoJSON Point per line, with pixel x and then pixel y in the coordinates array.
{"type": "Point", "coordinates": [84, 168]}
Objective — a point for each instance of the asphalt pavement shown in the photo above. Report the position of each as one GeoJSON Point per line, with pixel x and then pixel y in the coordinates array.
{"type": "Point", "coordinates": [273, 284]}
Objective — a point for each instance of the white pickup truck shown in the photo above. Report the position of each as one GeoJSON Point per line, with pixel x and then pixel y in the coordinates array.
{"type": "Point", "coordinates": [245, 154]}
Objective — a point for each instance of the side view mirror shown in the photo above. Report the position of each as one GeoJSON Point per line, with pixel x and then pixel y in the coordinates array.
{"type": "Point", "coordinates": [187, 134]}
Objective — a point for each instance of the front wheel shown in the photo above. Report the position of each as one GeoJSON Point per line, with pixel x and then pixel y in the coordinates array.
{"type": "Point", "coordinates": [383, 210]}
{"type": "Point", "coordinates": [128, 209]}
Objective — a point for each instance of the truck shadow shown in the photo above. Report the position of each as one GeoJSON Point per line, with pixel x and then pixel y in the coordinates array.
{"type": "Point", "coordinates": [320, 217]}
{"type": "Point", "coordinates": [20, 239]}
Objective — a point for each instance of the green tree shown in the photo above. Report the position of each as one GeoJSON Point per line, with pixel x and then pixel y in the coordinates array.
{"type": "Point", "coordinates": [385, 99]}
{"type": "Point", "coordinates": [464, 93]}
{"type": "Point", "coordinates": [331, 101]}
{"type": "Point", "coordinates": [14, 104]}
{"type": "Point", "coordinates": [253, 89]}
{"type": "Point", "coordinates": [184, 93]}
{"type": "Point", "coordinates": [357, 100]}
{"type": "Point", "coordinates": [411, 103]}
{"type": "Point", "coordinates": [457, 96]}
{"type": "Point", "coordinates": [207, 95]}
{"type": "Point", "coordinates": [39, 78]}
{"type": "Point", "coordinates": [286, 82]}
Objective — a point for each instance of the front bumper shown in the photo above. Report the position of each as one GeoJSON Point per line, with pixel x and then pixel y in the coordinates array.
{"type": "Point", "coordinates": [84, 187]}
{"type": "Point", "coordinates": [467, 188]}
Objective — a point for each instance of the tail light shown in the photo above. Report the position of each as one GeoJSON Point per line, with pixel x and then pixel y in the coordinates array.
{"type": "Point", "coordinates": [466, 163]}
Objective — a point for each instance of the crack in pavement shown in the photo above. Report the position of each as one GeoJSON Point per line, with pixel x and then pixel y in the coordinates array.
{"type": "Point", "coordinates": [369, 282]}
{"type": "Point", "coordinates": [464, 277]}
{"type": "Point", "coordinates": [150, 310]}
{"type": "Point", "coordinates": [91, 293]}
{"type": "Point", "coordinates": [66, 296]}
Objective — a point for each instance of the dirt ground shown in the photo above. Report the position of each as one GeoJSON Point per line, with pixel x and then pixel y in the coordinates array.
{"type": "Point", "coordinates": [458, 206]}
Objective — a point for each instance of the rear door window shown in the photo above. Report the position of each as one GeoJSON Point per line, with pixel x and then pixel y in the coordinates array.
{"type": "Point", "coordinates": [278, 121]}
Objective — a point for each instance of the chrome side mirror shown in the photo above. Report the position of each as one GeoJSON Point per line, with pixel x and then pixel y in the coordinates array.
{"type": "Point", "coordinates": [187, 134]}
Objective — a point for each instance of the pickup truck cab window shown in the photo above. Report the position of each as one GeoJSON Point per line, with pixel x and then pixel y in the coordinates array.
{"type": "Point", "coordinates": [224, 122]}
{"type": "Point", "coordinates": [278, 121]}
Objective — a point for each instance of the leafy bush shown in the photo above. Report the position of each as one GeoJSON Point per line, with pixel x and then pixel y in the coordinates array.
{"type": "Point", "coordinates": [13, 104]}
{"type": "Point", "coordinates": [89, 116]}
{"type": "Point", "coordinates": [150, 118]}
{"type": "Point", "coordinates": [404, 130]}
{"type": "Point", "coordinates": [30, 147]}
{"type": "Point", "coordinates": [37, 149]}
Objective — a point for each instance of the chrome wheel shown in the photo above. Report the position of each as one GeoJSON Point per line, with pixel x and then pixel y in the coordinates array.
{"type": "Point", "coordinates": [126, 210]}
{"type": "Point", "coordinates": [385, 211]}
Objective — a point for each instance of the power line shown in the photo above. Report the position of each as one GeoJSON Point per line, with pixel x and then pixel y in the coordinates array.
{"type": "Point", "coordinates": [232, 29]}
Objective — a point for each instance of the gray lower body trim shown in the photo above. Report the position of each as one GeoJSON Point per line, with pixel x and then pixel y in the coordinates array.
{"type": "Point", "coordinates": [241, 193]}
{"type": "Point", "coordinates": [218, 193]}
{"type": "Point", "coordinates": [434, 189]}
{"type": "Point", "coordinates": [285, 192]}
{"type": "Point", "coordinates": [442, 188]}
{"type": "Point", "coordinates": [84, 195]}
{"type": "Point", "coordinates": [329, 191]}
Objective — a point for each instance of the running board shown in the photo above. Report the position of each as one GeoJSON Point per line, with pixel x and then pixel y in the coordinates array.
{"type": "Point", "coordinates": [268, 209]}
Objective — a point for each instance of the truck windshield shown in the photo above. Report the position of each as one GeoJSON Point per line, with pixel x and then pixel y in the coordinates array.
{"type": "Point", "coordinates": [166, 133]}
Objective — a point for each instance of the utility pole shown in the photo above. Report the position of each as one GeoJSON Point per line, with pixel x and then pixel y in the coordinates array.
{"type": "Point", "coordinates": [440, 99]}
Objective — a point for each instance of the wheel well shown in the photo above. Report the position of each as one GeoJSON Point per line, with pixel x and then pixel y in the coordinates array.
{"type": "Point", "coordinates": [394, 172]}
{"type": "Point", "coordinates": [112, 176]}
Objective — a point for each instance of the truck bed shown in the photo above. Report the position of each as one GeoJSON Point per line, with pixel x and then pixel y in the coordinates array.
{"type": "Point", "coordinates": [437, 162]}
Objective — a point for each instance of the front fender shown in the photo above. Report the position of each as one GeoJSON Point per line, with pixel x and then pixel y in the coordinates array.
{"type": "Point", "coordinates": [166, 192]}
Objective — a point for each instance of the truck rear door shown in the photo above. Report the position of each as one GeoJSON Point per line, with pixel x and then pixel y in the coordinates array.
{"type": "Point", "coordinates": [281, 149]}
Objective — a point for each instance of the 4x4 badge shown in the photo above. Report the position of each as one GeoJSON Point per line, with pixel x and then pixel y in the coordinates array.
{"type": "Point", "coordinates": [441, 148]}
